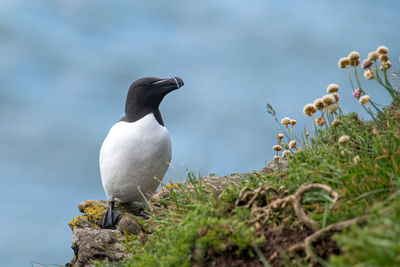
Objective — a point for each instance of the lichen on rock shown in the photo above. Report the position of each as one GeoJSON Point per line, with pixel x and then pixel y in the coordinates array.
{"type": "Point", "coordinates": [91, 242]}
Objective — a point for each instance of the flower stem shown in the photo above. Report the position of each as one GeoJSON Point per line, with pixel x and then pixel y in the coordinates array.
{"type": "Point", "coordinates": [340, 112]}
{"type": "Point", "coordinates": [358, 80]}
{"type": "Point", "coordinates": [379, 80]}
{"type": "Point", "coordinates": [386, 78]}
{"type": "Point", "coordinates": [292, 133]}
{"type": "Point", "coordinates": [359, 86]}
{"type": "Point", "coordinates": [351, 80]}
{"type": "Point", "coordinates": [315, 127]}
{"type": "Point", "coordinates": [369, 111]}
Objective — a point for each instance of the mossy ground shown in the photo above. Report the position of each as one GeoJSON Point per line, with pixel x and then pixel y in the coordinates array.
{"type": "Point", "coordinates": [194, 227]}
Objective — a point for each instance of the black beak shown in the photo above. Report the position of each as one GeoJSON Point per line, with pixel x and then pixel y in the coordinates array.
{"type": "Point", "coordinates": [169, 84]}
{"type": "Point", "coordinates": [178, 81]}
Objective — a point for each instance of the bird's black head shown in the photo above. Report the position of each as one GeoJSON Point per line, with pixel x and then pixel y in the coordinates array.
{"type": "Point", "coordinates": [145, 95]}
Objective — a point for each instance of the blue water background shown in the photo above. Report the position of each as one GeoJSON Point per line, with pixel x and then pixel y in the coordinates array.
{"type": "Point", "coordinates": [65, 66]}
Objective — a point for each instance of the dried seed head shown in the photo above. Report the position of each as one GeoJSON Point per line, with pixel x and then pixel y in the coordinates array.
{"type": "Point", "coordinates": [343, 62]}
{"type": "Point", "coordinates": [354, 58]}
{"type": "Point", "coordinates": [344, 139]}
{"type": "Point", "coordinates": [386, 65]}
{"type": "Point", "coordinates": [364, 99]}
{"type": "Point", "coordinates": [292, 144]}
{"type": "Point", "coordinates": [356, 159]}
{"type": "Point", "coordinates": [320, 121]}
{"type": "Point", "coordinates": [276, 158]}
{"type": "Point", "coordinates": [383, 58]}
{"type": "Point", "coordinates": [285, 121]}
{"type": "Point", "coordinates": [280, 136]}
{"type": "Point", "coordinates": [336, 96]}
{"type": "Point", "coordinates": [353, 55]}
{"type": "Point", "coordinates": [331, 108]}
{"type": "Point", "coordinates": [277, 148]}
{"type": "Point", "coordinates": [293, 122]}
{"type": "Point", "coordinates": [366, 63]}
{"type": "Point", "coordinates": [332, 88]}
{"type": "Point", "coordinates": [328, 100]}
{"type": "Point", "coordinates": [373, 55]}
{"type": "Point", "coordinates": [319, 104]}
{"type": "Point", "coordinates": [354, 62]}
{"type": "Point", "coordinates": [369, 74]}
{"type": "Point", "coordinates": [286, 153]}
{"type": "Point", "coordinates": [309, 109]}
{"type": "Point", "coordinates": [382, 50]}
{"type": "Point", "coordinates": [335, 123]}
{"type": "Point", "coordinates": [357, 93]}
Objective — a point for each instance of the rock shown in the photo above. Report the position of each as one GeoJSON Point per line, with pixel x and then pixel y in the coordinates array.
{"type": "Point", "coordinates": [91, 242]}
{"type": "Point", "coordinates": [275, 165]}
{"type": "Point", "coordinates": [128, 225]}
{"type": "Point", "coordinates": [210, 183]}
{"type": "Point", "coordinates": [96, 244]}
{"type": "Point", "coordinates": [218, 184]}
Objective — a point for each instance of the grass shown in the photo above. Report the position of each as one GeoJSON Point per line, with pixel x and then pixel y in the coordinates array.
{"type": "Point", "coordinates": [193, 225]}
{"type": "Point", "coordinates": [376, 244]}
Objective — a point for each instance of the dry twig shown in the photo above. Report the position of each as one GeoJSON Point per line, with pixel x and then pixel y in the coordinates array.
{"type": "Point", "coordinates": [297, 202]}
{"type": "Point", "coordinates": [318, 235]}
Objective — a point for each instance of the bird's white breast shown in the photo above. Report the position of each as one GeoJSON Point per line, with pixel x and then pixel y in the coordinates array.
{"type": "Point", "coordinates": [134, 154]}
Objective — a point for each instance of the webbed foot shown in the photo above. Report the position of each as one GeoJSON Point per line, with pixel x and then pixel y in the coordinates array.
{"type": "Point", "coordinates": [110, 218]}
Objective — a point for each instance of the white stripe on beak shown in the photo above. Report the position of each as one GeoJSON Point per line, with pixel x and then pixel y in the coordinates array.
{"type": "Point", "coordinates": [160, 81]}
{"type": "Point", "coordinates": [177, 84]}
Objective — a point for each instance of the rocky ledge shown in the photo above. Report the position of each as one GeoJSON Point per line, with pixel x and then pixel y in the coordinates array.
{"type": "Point", "coordinates": [91, 242]}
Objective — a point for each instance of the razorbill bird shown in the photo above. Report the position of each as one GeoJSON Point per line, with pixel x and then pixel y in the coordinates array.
{"type": "Point", "coordinates": [137, 150]}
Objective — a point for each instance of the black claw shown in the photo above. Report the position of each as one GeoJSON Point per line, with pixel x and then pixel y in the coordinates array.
{"type": "Point", "coordinates": [110, 218]}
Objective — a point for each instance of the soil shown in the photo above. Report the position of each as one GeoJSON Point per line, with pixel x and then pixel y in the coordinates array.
{"type": "Point", "coordinates": [277, 240]}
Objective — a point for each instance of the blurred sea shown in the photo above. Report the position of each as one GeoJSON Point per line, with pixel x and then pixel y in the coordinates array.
{"type": "Point", "coordinates": [65, 66]}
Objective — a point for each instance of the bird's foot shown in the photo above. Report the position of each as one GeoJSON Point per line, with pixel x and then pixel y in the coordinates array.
{"type": "Point", "coordinates": [110, 218]}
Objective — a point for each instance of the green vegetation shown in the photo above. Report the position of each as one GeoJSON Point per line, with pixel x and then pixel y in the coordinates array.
{"type": "Point", "coordinates": [257, 221]}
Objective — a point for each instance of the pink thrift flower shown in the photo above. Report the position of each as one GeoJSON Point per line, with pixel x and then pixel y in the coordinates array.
{"type": "Point", "coordinates": [357, 93]}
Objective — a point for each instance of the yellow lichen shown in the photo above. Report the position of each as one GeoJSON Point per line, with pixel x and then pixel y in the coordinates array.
{"type": "Point", "coordinates": [93, 210]}
{"type": "Point", "coordinates": [77, 221]}
{"type": "Point", "coordinates": [95, 213]}
{"type": "Point", "coordinates": [80, 222]}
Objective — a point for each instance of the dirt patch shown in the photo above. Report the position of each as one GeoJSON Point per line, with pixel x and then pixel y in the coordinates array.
{"type": "Point", "coordinates": [278, 240]}
{"type": "Point", "coordinates": [326, 247]}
